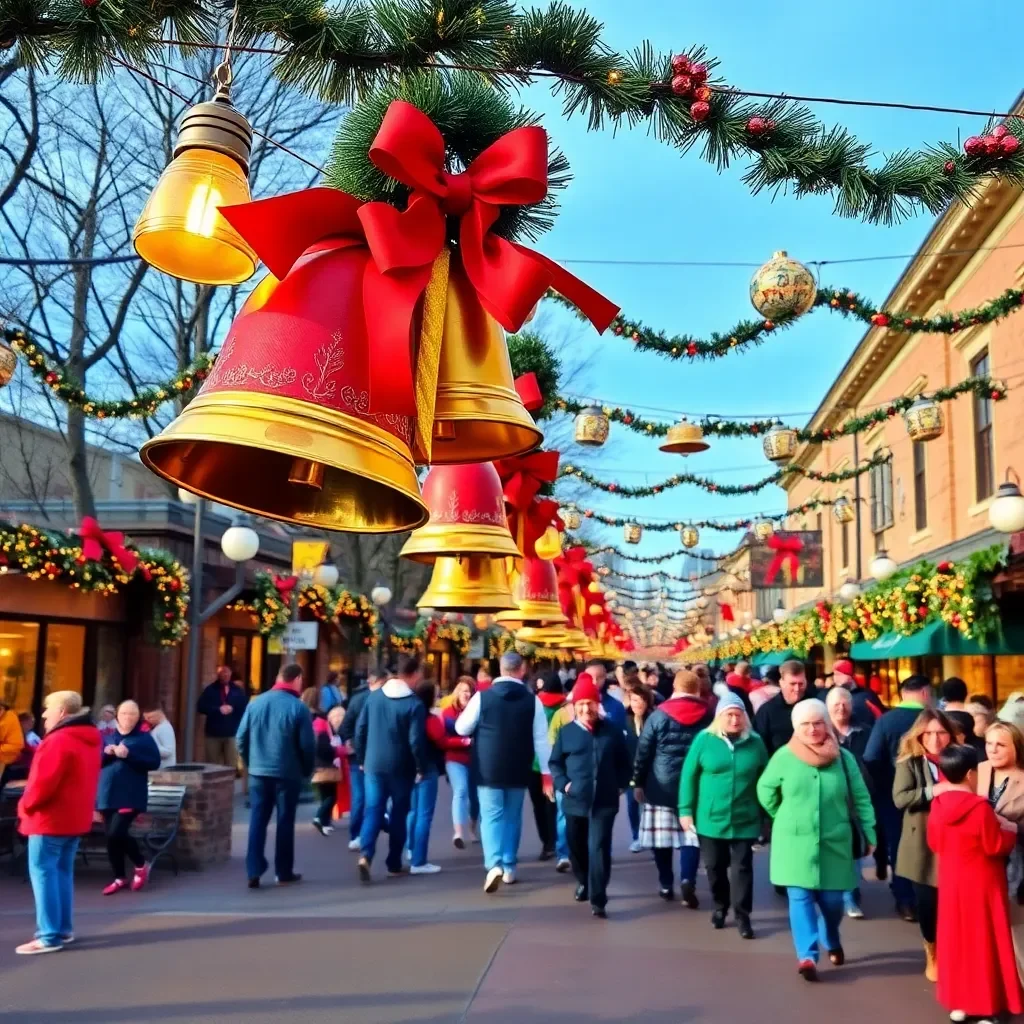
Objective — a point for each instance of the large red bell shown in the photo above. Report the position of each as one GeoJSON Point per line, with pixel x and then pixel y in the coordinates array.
{"type": "Point", "coordinates": [536, 595]}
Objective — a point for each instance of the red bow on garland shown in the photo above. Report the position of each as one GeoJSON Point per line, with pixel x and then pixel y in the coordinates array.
{"type": "Point", "coordinates": [522, 478]}
{"type": "Point", "coordinates": [787, 556]}
{"type": "Point", "coordinates": [95, 541]}
{"type": "Point", "coordinates": [508, 278]}
{"type": "Point", "coordinates": [284, 585]}
{"type": "Point", "coordinates": [529, 391]}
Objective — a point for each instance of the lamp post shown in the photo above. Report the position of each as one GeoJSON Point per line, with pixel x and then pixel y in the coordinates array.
{"type": "Point", "coordinates": [239, 543]}
{"type": "Point", "coordinates": [380, 596]}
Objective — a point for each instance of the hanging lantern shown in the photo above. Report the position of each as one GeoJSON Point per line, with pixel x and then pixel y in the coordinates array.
{"type": "Point", "coordinates": [1006, 513]}
{"type": "Point", "coordinates": [535, 593]}
{"type": "Point", "coordinates": [481, 621]}
{"type": "Point", "coordinates": [571, 519]}
{"type": "Point", "coordinates": [924, 420]}
{"type": "Point", "coordinates": [684, 438]}
{"type": "Point", "coordinates": [782, 288]}
{"type": "Point", "coordinates": [472, 583]}
{"type": "Point", "coordinates": [780, 443]}
{"type": "Point", "coordinates": [843, 510]}
{"type": "Point", "coordinates": [882, 566]}
{"type": "Point", "coordinates": [592, 427]}
{"type": "Point", "coordinates": [690, 536]}
{"type": "Point", "coordinates": [549, 544]}
{"type": "Point", "coordinates": [8, 363]}
{"type": "Point", "coordinates": [632, 533]}
{"type": "Point", "coordinates": [180, 230]}
{"type": "Point", "coordinates": [763, 529]}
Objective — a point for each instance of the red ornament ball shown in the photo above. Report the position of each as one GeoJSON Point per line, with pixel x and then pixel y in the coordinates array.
{"type": "Point", "coordinates": [51, 378]}
{"type": "Point", "coordinates": [834, 303]}
{"type": "Point", "coordinates": [618, 329]}
{"type": "Point", "coordinates": [991, 145]}
{"type": "Point", "coordinates": [691, 349]}
{"type": "Point", "coordinates": [769, 326]}
{"type": "Point", "coordinates": [681, 64]}
{"type": "Point", "coordinates": [703, 94]}
{"type": "Point", "coordinates": [699, 73]}
{"type": "Point", "coordinates": [757, 126]}
{"type": "Point", "coordinates": [699, 111]}
{"type": "Point", "coordinates": [880, 320]}
{"type": "Point", "coordinates": [170, 616]}
{"type": "Point", "coordinates": [1000, 130]}
{"type": "Point", "coordinates": [949, 167]}
{"type": "Point", "coordinates": [908, 322]}
{"type": "Point", "coordinates": [682, 85]}
{"type": "Point", "coordinates": [891, 411]}
{"type": "Point", "coordinates": [1009, 144]}
{"type": "Point", "coordinates": [996, 395]}
{"type": "Point", "coordinates": [974, 146]}
{"type": "Point", "coordinates": [89, 4]}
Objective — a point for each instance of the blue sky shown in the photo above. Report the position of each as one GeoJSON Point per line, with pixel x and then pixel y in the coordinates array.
{"type": "Point", "coordinates": [636, 198]}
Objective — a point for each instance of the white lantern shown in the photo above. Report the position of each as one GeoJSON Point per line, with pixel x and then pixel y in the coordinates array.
{"type": "Point", "coordinates": [882, 566]}
{"type": "Point", "coordinates": [780, 614]}
{"type": "Point", "coordinates": [240, 543]}
{"type": "Point", "coordinates": [1006, 513]}
{"type": "Point", "coordinates": [848, 591]}
{"type": "Point", "coordinates": [326, 575]}
{"type": "Point", "coordinates": [381, 595]}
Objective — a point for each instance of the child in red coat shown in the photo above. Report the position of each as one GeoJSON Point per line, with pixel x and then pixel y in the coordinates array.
{"type": "Point", "coordinates": [977, 966]}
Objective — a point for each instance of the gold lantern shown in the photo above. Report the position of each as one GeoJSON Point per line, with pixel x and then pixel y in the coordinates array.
{"type": "Point", "coordinates": [180, 230]}
{"type": "Point", "coordinates": [684, 438]}
{"type": "Point", "coordinates": [690, 536]}
{"type": "Point", "coordinates": [571, 518]}
{"type": "Point", "coordinates": [763, 529]}
{"type": "Point", "coordinates": [924, 420]}
{"type": "Point", "coordinates": [592, 427]}
{"type": "Point", "coordinates": [843, 510]}
{"type": "Point", "coordinates": [632, 533]}
{"type": "Point", "coordinates": [782, 288]}
{"type": "Point", "coordinates": [468, 583]}
{"type": "Point", "coordinates": [8, 363]}
{"type": "Point", "coordinates": [780, 443]}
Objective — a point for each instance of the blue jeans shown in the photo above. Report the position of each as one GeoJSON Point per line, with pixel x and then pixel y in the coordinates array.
{"type": "Point", "coordinates": [420, 818]}
{"type": "Point", "coordinates": [501, 825]}
{"type": "Point", "coordinates": [51, 869]}
{"type": "Point", "coordinates": [458, 777]}
{"type": "Point", "coordinates": [358, 791]}
{"type": "Point", "coordinates": [633, 810]}
{"type": "Point", "coordinates": [379, 789]}
{"type": "Point", "coordinates": [851, 900]}
{"type": "Point", "coordinates": [561, 835]}
{"type": "Point", "coordinates": [265, 795]}
{"type": "Point", "coordinates": [689, 862]}
{"type": "Point", "coordinates": [807, 927]}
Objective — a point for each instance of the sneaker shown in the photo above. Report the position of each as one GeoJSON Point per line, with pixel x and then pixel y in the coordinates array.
{"type": "Point", "coordinates": [546, 854]}
{"type": "Point", "coordinates": [743, 926]}
{"type": "Point", "coordinates": [493, 880]}
{"type": "Point", "coordinates": [688, 896]}
{"type": "Point", "coordinates": [957, 1016]}
{"type": "Point", "coordinates": [140, 878]}
{"type": "Point", "coordinates": [115, 886]}
{"type": "Point", "coordinates": [458, 842]}
{"type": "Point", "coordinates": [668, 895]}
{"type": "Point", "coordinates": [292, 879]}
{"type": "Point", "coordinates": [563, 865]}
{"type": "Point", "coordinates": [35, 946]}
{"type": "Point", "coordinates": [424, 869]}
{"type": "Point", "coordinates": [354, 844]}
{"type": "Point", "coordinates": [854, 911]}
{"type": "Point", "coordinates": [364, 870]}
{"type": "Point", "coordinates": [599, 912]}
{"type": "Point", "coordinates": [324, 830]}
{"type": "Point", "coordinates": [636, 846]}
{"type": "Point", "coordinates": [400, 873]}
{"type": "Point", "coordinates": [509, 877]}
{"type": "Point", "coordinates": [837, 957]}
{"type": "Point", "coordinates": [718, 920]}
{"type": "Point", "coordinates": [808, 970]}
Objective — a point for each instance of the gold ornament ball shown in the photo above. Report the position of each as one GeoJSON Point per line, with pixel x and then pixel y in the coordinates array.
{"type": "Point", "coordinates": [571, 518]}
{"type": "Point", "coordinates": [549, 544]}
{"type": "Point", "coordinates": [690, 536]}
{"type": "Point", "coordinates": [783, 287]}
{"type": "Point", "coordinates": [8, 363]}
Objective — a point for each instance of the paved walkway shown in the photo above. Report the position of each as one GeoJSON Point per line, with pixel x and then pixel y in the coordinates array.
{"type": "Point", "coordinates": [436, 950]}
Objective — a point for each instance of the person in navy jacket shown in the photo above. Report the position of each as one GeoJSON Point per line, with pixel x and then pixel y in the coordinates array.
{"type": "Point", "coordinates": [128, 758]}
{"type": "Point", "coordinates": [222, 702]}
{"type": "Point", "coordinates": [590, 766]}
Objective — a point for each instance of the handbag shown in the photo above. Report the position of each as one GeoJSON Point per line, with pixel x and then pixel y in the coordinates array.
{"type": "Point", "coordinates": [330, 774]}
{"type": "Point", "coordinates": [860, 843]}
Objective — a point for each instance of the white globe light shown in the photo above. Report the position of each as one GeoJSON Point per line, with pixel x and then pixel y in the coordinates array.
{"type": "Point", "coordinates": [882, 566]}
{"type": "Point", "coordinates": [326, 575]}
{"type": "Point", "coordinates": [381, 595]}
{"type": "Point", "coordinates": [780, 614]}
{"type": "Point", "coordinates": [1006, 513]}
{"type": "Point", "coordinates": [240, 543]}
{"type": "Point", "coordinates": [849, 590]}
{"type": "Point", "coordinates": [187, 497]}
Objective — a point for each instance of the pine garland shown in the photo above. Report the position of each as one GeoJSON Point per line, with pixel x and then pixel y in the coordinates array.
{"type": "Point", "coordinates": [709, 485]}
{"type": "Point", "coordinates": [416, 639]}
{"type": "Point", "coordinates": [52, 555]}
{"type": "Point", "coordinates": [145, 403]}
{"type": "Point", "coordinates": [841, 300]}
{"type": "Point", "coordinates": [724, 525]}
{"type": "Point", "coordinates": [982, 386]}
{"type": "Point", "coordinates": [610, 549]}
{"type": "Point", "coordinates": [340, 54]}
{"type": "Point", "coordinates": [529, 353]}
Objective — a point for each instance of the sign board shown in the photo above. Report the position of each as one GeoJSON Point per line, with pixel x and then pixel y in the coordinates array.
{"type": "Point", "coordinates": [307, 555]}
{"type": "Point", "coordinates": [300, 636]}
{"type": "Point", "coordinates": [274, 645]}
{"type": "Point", "coordinates": [787, 559]}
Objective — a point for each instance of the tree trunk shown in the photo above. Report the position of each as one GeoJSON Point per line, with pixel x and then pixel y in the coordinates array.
{"type": "Point", "coordinates": [85, 503]}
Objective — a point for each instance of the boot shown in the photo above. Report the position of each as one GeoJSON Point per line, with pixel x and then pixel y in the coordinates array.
{"type": "Point", "coordinates": [931, 964]}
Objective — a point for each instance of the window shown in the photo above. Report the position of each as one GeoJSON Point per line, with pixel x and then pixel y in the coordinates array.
{"type": "Point", "coordinates": [881, 494]}
{"type": "Point", "coordinates": [64, 666]}
{"type": "Point", "coordinates": [844, 540]}
{"type": "Point", "coordinates": [19, 648]}
{"type": "Point", "coordinates": [984, 476]}
{"type": "Point", "coordinates": [920, 492]}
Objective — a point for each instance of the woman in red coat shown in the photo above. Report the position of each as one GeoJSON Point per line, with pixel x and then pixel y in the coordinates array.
{"type": "Point", "coordinates": [977, 966]}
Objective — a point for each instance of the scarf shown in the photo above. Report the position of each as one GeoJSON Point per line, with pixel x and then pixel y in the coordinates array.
{"type": "Point", "coordinates": [936, 770]}
{"type": "Point", "coordinates": [820, 756]}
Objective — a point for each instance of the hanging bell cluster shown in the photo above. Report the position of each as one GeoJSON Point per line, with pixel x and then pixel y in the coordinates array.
{"type": "Point", "coordinates": [535, 596]}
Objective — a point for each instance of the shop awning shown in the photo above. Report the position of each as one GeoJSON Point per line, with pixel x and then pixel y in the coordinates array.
{"type": "Point", "coordinates": [776, 658]}
{"type": "Point", "coordinates": [937, 638]}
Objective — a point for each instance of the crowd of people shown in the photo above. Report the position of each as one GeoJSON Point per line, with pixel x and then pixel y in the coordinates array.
{"type": "Point", "coordinates": [930, 790]}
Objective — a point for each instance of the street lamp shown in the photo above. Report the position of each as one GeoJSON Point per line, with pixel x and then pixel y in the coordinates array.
{"type": "Point", "coordinates": [780, 614]}
{"type": "Point", "coordinates": [1006, 513]}
{"type": "Point", "coordinates": [240, 543]}
{"type": "Point", "coordinates": [380, 596]}
{"type": "Point", "coordinates": [326, 575]}
{"type": "Point", "coordinates": [882, 566]}
{"type": "Point", "coordinates": [849, 590]}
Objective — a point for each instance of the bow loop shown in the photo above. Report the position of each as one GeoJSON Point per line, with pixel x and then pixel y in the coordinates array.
{"type": "Point", "coordinates": [95, 541]}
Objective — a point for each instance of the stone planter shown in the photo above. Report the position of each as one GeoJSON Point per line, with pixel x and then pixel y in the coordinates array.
{"type": "Point", "coordinates": [204, 835]}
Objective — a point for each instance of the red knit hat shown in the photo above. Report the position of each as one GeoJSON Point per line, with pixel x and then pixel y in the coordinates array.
{"type": "Point", "coordinates": [585, 689]}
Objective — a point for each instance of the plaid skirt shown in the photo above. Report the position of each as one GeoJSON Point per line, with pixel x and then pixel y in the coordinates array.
{"type": "Point", "coordinates": [660, 829]}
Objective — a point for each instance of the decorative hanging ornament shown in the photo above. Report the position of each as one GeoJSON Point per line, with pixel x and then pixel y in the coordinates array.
{"type": "Point", "coordinates": [780, 443]}
{"type": "Point", "coordinates": [468, 583]}
{"type": "Point", "coordinates": [843, 510]}
{"type": "Point", "coordinates": [782, 288]}
{"type": "Point", "coordinates": [690, 536]}
{"type": "Point", "coordinates": [180, 230]}
{"type": "Point", "coordinates": [8, 363]}
{"type": "Point", "coordinates": [1006, 513]}
{"type": "Point", "coordinates": [763, 529]}
{"type": "Point", "coordinates": [924, 420]}
{"type": "Point", "coordinates": [684, 438]}
{"type": "Point", "coordinates": [570, 518]}
{"type": "Point", "coordinates": [592, 427]}
{"type": "Point", "coordinates": [549, 544]}
{"type": "Point", "coordinates": [632, 532]}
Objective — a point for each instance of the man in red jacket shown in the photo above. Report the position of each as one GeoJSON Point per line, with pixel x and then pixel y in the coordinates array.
{"type": "Point", "coordinates": [55, 810]}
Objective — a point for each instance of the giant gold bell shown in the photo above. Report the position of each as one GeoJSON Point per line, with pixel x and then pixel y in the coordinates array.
{"type": "Point", "coordinates": [541, 636]}
{"type": "Point", "coordinates": [469, 584]}
{"type": "Point", "coordinates": [478, 414]}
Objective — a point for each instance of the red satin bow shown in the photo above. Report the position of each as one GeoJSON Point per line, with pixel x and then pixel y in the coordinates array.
{"type": "Point", "coordinates": [529, 391]}
{"type": "Point", "coordinates": [285, 585]}
{"type": "Point", "coordinates": [509, 279]}
{"type": "Point", "coordinates": [95, 541]}
{"type": "Point", "coordinates": [522, 478]}
{"type": "Point", "coordinates": [787, 553]}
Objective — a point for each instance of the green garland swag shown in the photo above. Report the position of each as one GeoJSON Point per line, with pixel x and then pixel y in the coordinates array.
{"type": "Point", "coordinates": [724, 525]}
{"type": "Point", "coordinates": [426, 631]}
{"type": "Point", "coordinates": [610, 549]}
{"type": "Point", "coordinates": [878, 459]}
{"type": "Point", "coordinates": [529, 353]}
{"type": "Point", "coordinates": [52, 555]}
{"type": "Point", "coordinates": [145, 403]}
{"type": "Point", "coordinates": [346, 52]}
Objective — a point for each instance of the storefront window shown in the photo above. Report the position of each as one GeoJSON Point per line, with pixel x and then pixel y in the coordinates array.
{"type": "Point", "coordinates": [1009, 673]}
{"type": "Point", "coordinates": [65, 658]}
{"type": "Point", "coordinates": [19, 642]}
{"type": "Point", "coordinates": [109, 666]}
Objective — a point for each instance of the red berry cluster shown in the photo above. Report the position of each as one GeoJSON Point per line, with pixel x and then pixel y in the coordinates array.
{"type": "Point", "coordinates": [999, 144]}
{"type": "Point", "coordinates": [880, 319]}
{"type": "Point", "coordinates": [689, 81]}
{"type": "Point", "coordinates": [758, 126]}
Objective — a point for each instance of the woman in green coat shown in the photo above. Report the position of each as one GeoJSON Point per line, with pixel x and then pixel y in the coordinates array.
{"type": "Point", "coordinates": [813, 790]}
{"type": "Point", "coordinates": [718, 799]}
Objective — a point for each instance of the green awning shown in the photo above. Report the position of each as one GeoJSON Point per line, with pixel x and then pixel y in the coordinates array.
{"type": "Point", "coordinates": [937, 638]}
{"type": "Point", "coordinates": [778, 657]}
